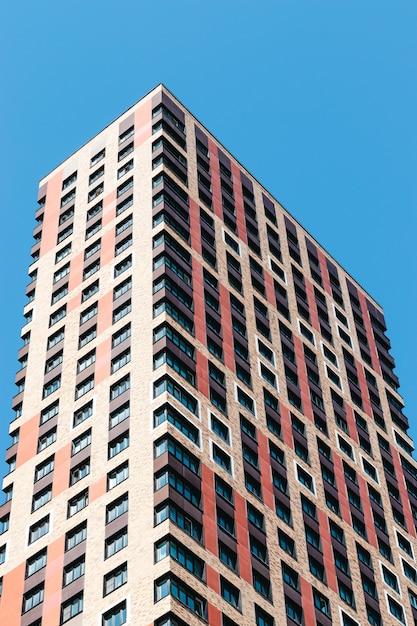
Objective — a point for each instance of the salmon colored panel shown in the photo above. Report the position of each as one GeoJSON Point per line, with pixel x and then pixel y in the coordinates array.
{"type": "Point", "coordinates": [269, 286]}
{"type": "Point", "coordinates": [241, 521]}
{"type": "Point", "coordinates": [199, 314]}
{"type": "Point", "coordinates": [109, 206]}
{"type": "Point", "coordinates": [369, 333]}
{"type": "Point", "coordinates": [312, 305]}
{"type": "Point", "coordinates": [324, 272]}
{"type": "Point", "coordinates": [97, 489]}
{"type": "Point", "coordinates": [76, 274]}
{"type": "Point", "coordinates": [102, 368]}
{"type": "Point", "coordinates": [202, 375]}
{"type": "Point", "coordinates": [265, 467]}
{"type": "Point", "coordinates": [61, 470]}
{"type": "Point", "coordinates": [195, 226]}
{"type": "Point", "coordinates": [286, 426]}
{"type": "Point", "coordinates": [403, 493]}
{"type": "Point", "coordinates": [214, 616]}
{"type": "Point", "coordinates": [53, 583]}
{"type": "Point", "coordinates": [229, 359]}
{"type": "Point", "coordinates": [213, 579]}
{"type": "Point", "coordinates": [302, 375]}
{"type": "Point", "coordinates": [51, 214]}
{"type": "Point", "coordinates": [215, 179]}
{"type": "Point", "coordinates": [11, 598]}
{"type": "Point", "coordinates": [27, 441]}
{"type": "Point", "coordinates": [341, 487]}
{"type": "Point", "coordinates": [73, 303]}
{"type": "Point", "coordinates": [326, 546]}
{"type": "Point", "coordinates": [107, 247]}
{"type": "Point", "coordinates": [350, 418]}
{"type": "Point", "coordinates": [240, 212]}
{"type": "Point", "coordinates": [367, 511]}
{"type": "Point", "coordinates": [367, 408]}
{"type": "Point", "coordinates": [105, 313]}
{"type": "Point", "coordinates": [308, 606]}
{"type": "Point", "coordinates": [209, 508]}
{"type": "Point", "coordinates": [143, 123]}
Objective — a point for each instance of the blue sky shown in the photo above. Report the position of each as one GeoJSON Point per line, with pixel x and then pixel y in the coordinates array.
{"type": "Point", "coordinates": [317, 98]}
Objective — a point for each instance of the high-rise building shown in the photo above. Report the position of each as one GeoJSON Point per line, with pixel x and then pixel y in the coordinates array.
{"type": "Point", "coordinates": [207, 427]}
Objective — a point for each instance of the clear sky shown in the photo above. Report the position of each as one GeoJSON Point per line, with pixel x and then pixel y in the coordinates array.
{"type": "Point", "coordinates": [316, 98]}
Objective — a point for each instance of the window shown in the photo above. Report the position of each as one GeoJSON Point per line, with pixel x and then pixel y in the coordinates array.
{"type": "Point", "coordinates": [180, 484]}
{"type": "Point", "coordinates": [390, 578]}
{"type": "Point", "coordinates": [230, 593]}
{"type": "Point", "coordinates": [89, 313]}
{"type": "Point", "coordinates": [121, 360]}
{"type": "Point", "coordinates": [115, 579]}
{"type": "Point", "coordinates": [226, 522]}
{"type": "Point", "coordinates": [91, 250]}
{"type": "Point", "coordinates": [245, 400]}
{"type": "Point", "coordinates": [283, 512]}
{"type": "Point", "coordinates": [41, 498]}
{"type": "Point", "coordinates": [287, 543]}
{"type": "Point", "coordinates": [346, 594]}
{"type": "Point", "coordinates": [84, 387]}
{"type": "Point", "coordinates": [89, 291]}
{"type": "Point", "coordinates": [71, 608]}
{"type": "Point", "coordinates": [35, 563]}
{"type": "Point", "coordinates": [74, 570]}
{"type": "Point", "coordinates": [83, 413]}
{"type": "Point", "coordinates": [174, 389]}
{"type": "Point", "coordinates": [49, 412]}
{"type": "Point", "coordinates": [39, 529]}
{"type": "Point", "coordinates": [321, 603]}
{"type": "Point", "coordinates": [119, 415]}
{"type": "Point", "coordinates": [317, 569]}
{"type": "Point", "coordinates": [305, 479]}
{"type": "Point", "coordinates": [4, 523]}
{"type": "Point", "coordinates": [262, 618]}
{"type": "Point", "coordinates": [116, 616]}
{"type": "Point", "coordinates": [115, 543]}
{"type": "Point", "coordinates": [97, 157]}
{"type": "Point", "coordinates": [221, 458]}
{"type": "Point", "coordinates": [52, 386]}
{"type": "Point", "coordinates": [396, 610]}
{"type": "Point", "coordinates": [183, 593]}
{"type": "Point", "coordinates": [88, 336]}
{"type": "Point", "coordinates": [119, 387]}
{"type": "Point", "coordinates": [228, 557]}
{"type": "Point", "coordinates": [81, 442]}
{"type": "Point", "coordinates": [47, 440]}
{"type": "Point", "coordinates": [294, 611]}
{"type": "Point", "coordinates": [79, 472]}
{"type": "Point", "coordinates": [75, 536]}
{"type": "Point", "coordinates": [118, 445]}
{"type": "Point", "coordinates": [220, 429]}
{"type": "Point", "coordinates": [364, 556]}
{"type": "Point", "coordinates": [32, 598]}
{"type": "Point", "coordinates": [117, 508]}
{"type": "Point", "coordinates": [58, 315]}
{"type": "Point", "coordinates": [63, 271]}
{"type": "Point", "coordinates": [123, 334]}
{"type": "Point", "coordinates": [61, 254]}
{"type": "Point", "coordinates": [117, 476]}
{"type": "Point", "coordinates": [53, 362]}
{"type": "Point", "coordinates": [59, 294]}
{"type": "Point", "coordinates": [79, 502]}
{"type": "Point", "coordinates": [187, 559]}
{"type": "Point", "coordinates": [189, 525]}
{"type": "Point", "coordinates": [86, 361]}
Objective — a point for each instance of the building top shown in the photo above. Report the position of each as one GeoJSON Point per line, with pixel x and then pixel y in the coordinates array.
{"type": "Point", "coordinates": [162, 88]}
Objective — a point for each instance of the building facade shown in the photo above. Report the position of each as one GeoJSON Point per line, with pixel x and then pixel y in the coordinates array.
{"type": "Point", "coordinates": [207, 427]}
